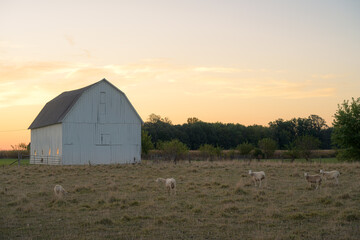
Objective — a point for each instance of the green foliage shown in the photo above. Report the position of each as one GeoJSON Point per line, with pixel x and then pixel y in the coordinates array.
{"type": "Point", "coordinates": [210, 152]}
{"type": "Point", "coordinates": [285, 132]}
{"type": "Point", "coordinates": [257, 153]}
{"type": "Point", "coordinates": [173, 149]}
{"type": "Point", "coordinates": [267, 146]}
{"type": "Point", "coordinates": [245, 149]}
{"type": "Point", "coordinates": [195, 132]}
{"type": "Point", "coordinates": [305, 145]}
{"type": "Point", "coordinates": [192, 120]}
{"type": "Point", "coordinates": [153, 118]}
{"type": "Point", "coordinates": [346, 132]}
{"type": "Point", "coordinates": [146, 144]}
{"type": "Point", "coordinates": [292, 152]}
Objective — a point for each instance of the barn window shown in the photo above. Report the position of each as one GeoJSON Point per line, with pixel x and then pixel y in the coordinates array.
{"type": "Point", "coordinates": [102, 105]}
{"type": "Point", "coordinates": [105, 139]}
{"type": "Point", "coordinates": [35, 152]}
{"type": "Point", "coordinates": [57, 151]}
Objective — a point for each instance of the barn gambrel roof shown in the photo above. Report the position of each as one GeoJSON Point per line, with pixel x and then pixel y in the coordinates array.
{"type": "Point", "coordinates": [55, 111]}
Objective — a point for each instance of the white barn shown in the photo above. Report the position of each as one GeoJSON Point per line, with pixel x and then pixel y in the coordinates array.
{"type": "Point", "coordinates": [96, 124]}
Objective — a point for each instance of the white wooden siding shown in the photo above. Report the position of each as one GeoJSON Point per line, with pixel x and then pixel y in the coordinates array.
{"type": "Point", "coordinates": [43, 140]}
{"type": "Point", "coordinates": [101, 128]}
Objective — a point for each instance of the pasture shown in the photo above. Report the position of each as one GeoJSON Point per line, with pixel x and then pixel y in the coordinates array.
{"type": "Point", "coordinates": [215, 200]}
{"type": "Point", "coordinates": [13, 161]}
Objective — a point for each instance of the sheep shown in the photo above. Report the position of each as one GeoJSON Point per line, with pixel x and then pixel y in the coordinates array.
{"type": "Point", "coordinates": [257, 176]}
{"type": "Point", "coordinates": [170, 184]}
{"type": "Point", "coordinates": [330, 175]}
{"type": "Point", "coordinates": [59, 191]}
{"type": "Point", "coordinates": [313, 179]}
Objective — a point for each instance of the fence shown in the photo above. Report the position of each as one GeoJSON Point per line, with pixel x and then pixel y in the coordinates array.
{"type": "Point", "coordinates": [46, 160]}
{"type": "Point", "coordinates": [192, 155]}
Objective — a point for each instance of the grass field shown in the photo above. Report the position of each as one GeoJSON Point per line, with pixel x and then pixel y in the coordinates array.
{"type": "Point", "coordinates": [8, 161]}
{"type": "Point", "coordinates": [215, 200]}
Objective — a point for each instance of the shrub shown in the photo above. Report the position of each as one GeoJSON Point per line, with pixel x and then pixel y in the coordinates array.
{"type": "Point", "coordinates": [268, 147]}
{"type": "Point", "coordinates": [173, 150]}
{"type": "Point", "coordinates": [305, 145]}
{"type": "Point", "coordinates": [245, 149]}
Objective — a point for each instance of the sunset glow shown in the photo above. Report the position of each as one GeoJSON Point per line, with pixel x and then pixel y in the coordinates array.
{"type": "Point", "coordinates": [247, 62]}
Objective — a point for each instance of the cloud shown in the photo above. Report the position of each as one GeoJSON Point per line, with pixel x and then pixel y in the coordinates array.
{"type": "Point", "coordinates": [220, 70]}
{"type": "Point", "coordinates": [38, 82]}
{"type": "Point", "coordinates": [325, 76]}
{"type": "Point", "coordinates": [69, 39]}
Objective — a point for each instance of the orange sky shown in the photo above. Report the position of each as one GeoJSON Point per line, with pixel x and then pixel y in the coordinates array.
{"type": "Point", "coordinates": [248, 62]}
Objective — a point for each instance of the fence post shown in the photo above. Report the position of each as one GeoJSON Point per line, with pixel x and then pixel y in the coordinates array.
{"type": "Point", "coordinates": [19, 158]}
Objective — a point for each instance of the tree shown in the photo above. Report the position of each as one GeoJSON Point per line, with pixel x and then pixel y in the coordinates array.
{"type": "Point", "coordinates": [173, 149]}
{"type": "Point", "coordinates": [305, 145]}
{"type": "Point", "coordinates": [283, 132]}
{"type": "Point", "coordinates": [209, 151]}
{"type": "Point", "coordinates": [267, 146]}
{"type": "Point", "coordinates": [153, 118]}
{"type": "Point", "coordinates": [245, 149]}
{"type": "Point", "coordinates": [192, 120]}
{"type": "Point", "coordinates": [146, 143]}
{"type": "Point", "coordinates": [19, 147]}
{"type": "Point", "coordinates": [292, 152]}
{"type": "Point", "coordinates": [257, 153]}
{"type": "Point", "coordinates": [346, 133]}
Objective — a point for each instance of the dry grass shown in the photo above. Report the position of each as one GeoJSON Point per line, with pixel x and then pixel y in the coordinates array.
{"type": "Point", "coordinates": [215, 200]}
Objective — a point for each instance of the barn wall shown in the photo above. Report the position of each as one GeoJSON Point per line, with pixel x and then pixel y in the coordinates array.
{"type": "Point", "coordinates": [46, 145]}
{"type": "Point", "coordinates": [101, 128]}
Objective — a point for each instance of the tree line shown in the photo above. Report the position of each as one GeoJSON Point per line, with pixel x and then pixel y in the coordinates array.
{"type": "Point", "coordinates": [196, 133]}
{"type": "Point", "coordinates": [297, 136]}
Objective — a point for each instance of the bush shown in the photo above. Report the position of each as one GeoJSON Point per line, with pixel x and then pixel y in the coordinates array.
{"type": "Point", "coordinates": [209, 152]}
{"type": "Point", "coordinates": [346, 132]}
{"type": "Point", "coordinates": [146, 144]}
{"type": "Point", "coordinates": [245, 149]}
{"type": "Point", "coordinates": [305, 145]}
{"type": "Point", "coordinates": [268, 147]}
{"type": "Point", "coordinates": [257, 153]}
{"type": "Point", "coordinates": [173, 150]}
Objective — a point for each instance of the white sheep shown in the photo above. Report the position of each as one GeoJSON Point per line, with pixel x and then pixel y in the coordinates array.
{"type": "Point", "coordinates": [59, 191]}
{"type": "Point", "coordinates": [330, 175]}
{"type": "Point", "coordinates": [170, 184]}
{"type": "Point", "coordinates": [313, 179]}
{"type": "Point", "coordinates": [257, 176]}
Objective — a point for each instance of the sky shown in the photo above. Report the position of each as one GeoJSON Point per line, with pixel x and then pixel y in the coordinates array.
{"type": "Point", "coordinates": [232, 61]}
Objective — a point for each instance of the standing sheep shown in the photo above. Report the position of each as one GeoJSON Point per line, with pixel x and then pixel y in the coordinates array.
{"type": "Point", "coordinates": [313, 179]}
{"type": "Point", "coordinates": [330, 175]}
{"type": "Point", "coordinates": [257, 176]}
{"type": "Point", "coordinates": [59, 191]}
{"type": "Point", "coordinates": [170, 184]}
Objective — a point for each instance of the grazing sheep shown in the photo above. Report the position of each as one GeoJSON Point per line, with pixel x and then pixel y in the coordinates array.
{"type": "Point", "coordinates": [170, 184]}
{"type": "Point", "coordinates": [257, 176]}
{"type": "Point", "coordinates": [330, 175]}
{"type": "Point", "coordinates": [313, 179]}
{"type": "Point", "coordinates": [59, 191]}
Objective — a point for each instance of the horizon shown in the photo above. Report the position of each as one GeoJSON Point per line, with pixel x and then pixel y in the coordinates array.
{"type": "Point", "coordinates": [231, 62]}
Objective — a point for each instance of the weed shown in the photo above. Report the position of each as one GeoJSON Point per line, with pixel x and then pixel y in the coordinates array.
{"type": "Point", "coordinates": [104, 221]}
